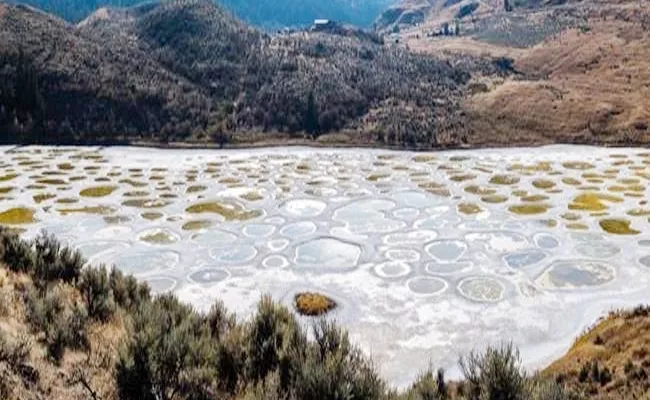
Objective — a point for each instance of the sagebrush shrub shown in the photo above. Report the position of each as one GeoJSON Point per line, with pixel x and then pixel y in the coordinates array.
{"type": "Point", "coordinates": [333, 369]}
{"type": "Point", "coordinates": [127, 292]}
{"type": "Point", "coordinates": [61, 320]}
{"type": "Point", "coordinates": [53, 262]}
{"type": "Point", "coordinates": [169, 355]}
{"type": "Point", "coordinates": [17, 254]}
{"type": "Point", "coordinates": [495, 374]}
{"type": "Point", "coordinates": [95, 289]}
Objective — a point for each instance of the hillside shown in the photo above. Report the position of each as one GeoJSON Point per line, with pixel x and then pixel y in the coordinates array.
{"type": "Point", "coordinates": [268, 14]}
{"type": "Point", "coordinates": [611, 360]}
{"type": "Point", "coordinates": [68, 332]}
{"type": "Point", "coordinates": [582, 68]}
{"type": "Point", "coordinates": [188, 71]}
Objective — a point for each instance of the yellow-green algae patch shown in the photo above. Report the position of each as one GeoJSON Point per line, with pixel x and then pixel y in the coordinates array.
{"type": "Point", "coordinates": [229, 180]}
{"type": "Point", "coordinates": [528, 209]}
{"type": "Point", "coordinates": [17, 216]}
{"type": "Point", "coordinates": [5, 190]}
{"type": "Point", "coordinates": [481, 191]}
{"type": "Point", "coordinates": [462, 177]}
{"type": "Point", "coordinates": [571, 181]}
{"type": "Point", "coordinates": [229, 211]}
{"type": "Point", "coordinates": [158, 238]}
{"type": "Point", "coordinates": [136, 193]}
{"type": "Point", "coordinates": [97, 210]}
{"type": "Point", "coordinates": [504, 179]}
{"type": "Point", "coordinates": [98, 191]}
{"type": "Point", "coordinates": [579, 165]}
{"type": "Point", "coordinates": [65, 166]}
{"type": "Point", "coordinates": [151, 216]}
{"type": "Point", "coordinates": [117, 219]}
{"type": "Point", "coordinates": [53, 173]}
{"type": "Point", "coordinates": [41, 197]}
{"type": "Point", "coordinates": [67, 200]}
{"type": "Point", "coordinates": [196, 225]}
{"type": "Point", "coordinates": [639, 212]}
{"type": "Point", "coordinates": [7, 177]}
{"type": "Point", "coordinates": [53, 182]}
{"type": "Point", "coordinates": [133, 183]}
{"type": "Point", "coordinates": [252, 196]}
{"type": "Point", "coordinates": [617, 226]}
{"type": "Point", "coordinates": [576, 226]}
{"type": "Point", "coordinates": [629, 181]}
{"type": "Point", "coordinates": [519, 193]}
{"type": "Point", "coordinates": [535, 198]}
{"type": "Point", "coordinates": [571, 216]}
{"type": "Point", "coordinates": [376, 177]}
{"type": "Point", "coordinates": [494, 198]}
{"type": "Point", "coordinates": [469, 208]}
{"type": "Point", "coordinates": [423, 158]}
{"type": "Point", "coordinates": [196, 189]}
{"type": "Point", "coordinates": [146, 203]}
{"type": "Point", "coordinates": [543, 184]}
{"type": "Point", "coordinates": [593, 202]}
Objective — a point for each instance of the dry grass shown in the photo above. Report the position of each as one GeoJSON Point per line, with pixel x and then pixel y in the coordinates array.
{"type": "Point", "coordinates": [620, 343]}
{"type": "Point", "coordinates": [58, 382]}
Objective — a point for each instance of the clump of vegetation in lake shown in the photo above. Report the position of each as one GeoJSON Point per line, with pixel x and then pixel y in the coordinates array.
{"type": "Point", "coordinates": [313, 304]}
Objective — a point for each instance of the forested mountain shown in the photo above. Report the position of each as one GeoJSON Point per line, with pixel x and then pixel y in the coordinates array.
{"type": "Point", "coordinates": [269, 14]}
{"type": "Point", "coordinates": [189, 71]}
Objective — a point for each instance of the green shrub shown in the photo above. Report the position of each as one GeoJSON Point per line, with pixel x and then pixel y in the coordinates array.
{"type": "Point", "coordinates": [170, 354]}
{"type": "Point", "coordinates": [275, 342]}
{"type": "Point", "coordinates": [62, 323]}
{"type": "Point", "coordinates": [334, 369]}
{"type": "Point", "coordinates": [429, 387]}
{"type": "Point", "coordinates": [494, 375]}
{"type": "Point", "coordinates": [127, 292]}
{"type": "Point", "coordinates": [219, 320]}
{"type": "Point", "coordinates": [231, 359]}
{"type": "Point", "coordinates": [53, 262]}
{"type": "Point", "coordinates": [16, 253]}
{"type": "Point", "coordinates": [96, 291]}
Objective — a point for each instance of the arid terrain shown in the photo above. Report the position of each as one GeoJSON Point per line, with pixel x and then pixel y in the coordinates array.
{"type": "Point", "coordinates": [582, 70]}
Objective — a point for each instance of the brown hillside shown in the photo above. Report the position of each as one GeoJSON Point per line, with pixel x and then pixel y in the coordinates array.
{"type": "Point", "coordinates": [585, 77]}
{"type": "Point", "coordinates": [611, 360]}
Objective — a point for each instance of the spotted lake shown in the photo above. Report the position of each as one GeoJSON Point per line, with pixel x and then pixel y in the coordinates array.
{"type": "Point", "coordinates": [428, 254]}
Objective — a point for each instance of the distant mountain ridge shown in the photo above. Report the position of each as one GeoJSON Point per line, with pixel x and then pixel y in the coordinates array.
{"type": "Point", "coordinates": [268, 14]}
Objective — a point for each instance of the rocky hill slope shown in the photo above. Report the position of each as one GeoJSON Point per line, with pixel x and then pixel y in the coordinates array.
{"type": "Point", "coordinates": [189, 71]}
{"type": "Point", "coordinates": [582, 68]}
